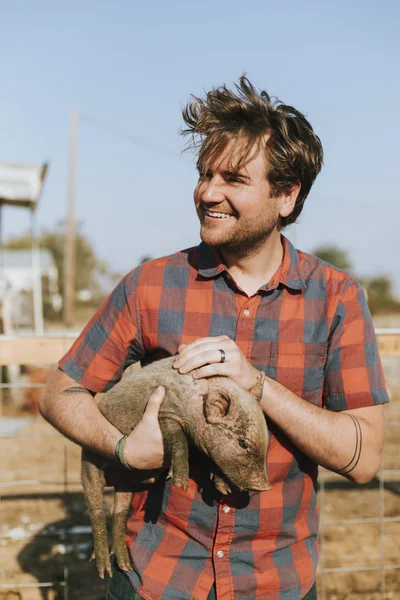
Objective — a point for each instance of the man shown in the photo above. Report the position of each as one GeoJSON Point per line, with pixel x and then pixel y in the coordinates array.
{"type": "Point", "coordinates": [244, 304]}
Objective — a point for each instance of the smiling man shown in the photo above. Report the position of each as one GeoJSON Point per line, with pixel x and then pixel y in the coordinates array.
{"type": "Point", "coordinates": [245, 304]}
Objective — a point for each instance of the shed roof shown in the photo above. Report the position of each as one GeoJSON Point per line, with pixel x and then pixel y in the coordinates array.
{"type": "Point", "coordinates": [20, 185]}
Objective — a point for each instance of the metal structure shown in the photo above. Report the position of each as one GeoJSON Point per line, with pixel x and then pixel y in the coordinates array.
{"type": "Point", "coordinates": [48, 348]}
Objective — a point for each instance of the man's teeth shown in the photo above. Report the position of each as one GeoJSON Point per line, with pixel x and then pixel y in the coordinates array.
{"type": "Point", "coordinates": [217, 215]}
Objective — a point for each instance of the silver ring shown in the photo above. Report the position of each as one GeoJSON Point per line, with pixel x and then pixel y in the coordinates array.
{"type": "Point", "coordinates": [223, 355]}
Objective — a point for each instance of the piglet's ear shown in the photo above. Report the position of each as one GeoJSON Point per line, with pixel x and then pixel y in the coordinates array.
{"type": "Point", "coordinates": [216, 406]}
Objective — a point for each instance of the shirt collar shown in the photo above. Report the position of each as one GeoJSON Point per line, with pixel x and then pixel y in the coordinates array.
{"type": "Point", "coordinates": [289, 272]}
{"type": "Point", "coordinates": [210, 261]}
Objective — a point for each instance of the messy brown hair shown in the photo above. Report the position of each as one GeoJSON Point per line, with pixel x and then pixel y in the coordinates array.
{"type": "Point", "coordinates": [293, 151]}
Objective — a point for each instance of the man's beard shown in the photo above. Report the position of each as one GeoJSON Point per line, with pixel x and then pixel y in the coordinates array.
{"type": "Point", "coordinates": [245, 243]}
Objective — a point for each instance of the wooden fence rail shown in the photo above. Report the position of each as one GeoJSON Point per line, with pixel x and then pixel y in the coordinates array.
{"type": "Point", "coordinates": [48, 349]}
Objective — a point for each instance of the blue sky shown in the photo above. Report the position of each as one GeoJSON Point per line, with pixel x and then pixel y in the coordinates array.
{"type": "Point", "coordinates": [129, 67]}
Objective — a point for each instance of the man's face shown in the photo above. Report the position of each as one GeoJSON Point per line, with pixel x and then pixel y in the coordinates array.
{"type": "Point", "coordinates": [236, 211]}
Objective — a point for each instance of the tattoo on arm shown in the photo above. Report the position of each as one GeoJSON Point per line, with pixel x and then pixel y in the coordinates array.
{"type": "Point", "coordinates": [76, 389]}
{"type": "Point", "coordinates": [357, 450]}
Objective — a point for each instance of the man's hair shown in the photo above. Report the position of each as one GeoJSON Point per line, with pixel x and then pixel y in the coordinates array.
{"type": "Point", "coordinates": [293, 151]}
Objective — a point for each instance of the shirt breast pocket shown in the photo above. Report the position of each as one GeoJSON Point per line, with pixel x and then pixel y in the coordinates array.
{"type": "Point", "coordinates": [300, 367]}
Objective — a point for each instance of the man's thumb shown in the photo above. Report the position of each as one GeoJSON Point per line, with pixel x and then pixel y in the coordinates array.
{"type": "Point", "coordinates": [155, 401]}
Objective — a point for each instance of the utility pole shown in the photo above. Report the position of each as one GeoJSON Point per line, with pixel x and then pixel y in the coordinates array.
{"type": "Point", "coordinates": [70, 236]}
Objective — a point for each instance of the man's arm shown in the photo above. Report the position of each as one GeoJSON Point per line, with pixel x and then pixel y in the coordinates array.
{"type": "Point", "coordinates": [329, 438]}
{"type": "Point", "coordinates": [71, 409]}
{"type": "Point", "coordinates": [335, 440]}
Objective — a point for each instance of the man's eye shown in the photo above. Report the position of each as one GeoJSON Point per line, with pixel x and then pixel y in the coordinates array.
{"type": "Point", "coordinates": [243, 444]}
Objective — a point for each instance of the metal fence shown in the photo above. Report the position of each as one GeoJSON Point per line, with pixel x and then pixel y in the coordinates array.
{"type": "Point", "coordinates": [386, 479]}
{"type": "Point", "coordinates": [46, 350]}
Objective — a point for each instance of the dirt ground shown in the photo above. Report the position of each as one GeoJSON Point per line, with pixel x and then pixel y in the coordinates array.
{"type": "Point", "coordinates": [45, 536]}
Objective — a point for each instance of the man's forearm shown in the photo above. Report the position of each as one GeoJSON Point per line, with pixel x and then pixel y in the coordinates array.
{"type": "Point", "coordinates": [336, 441]}
{"type": "Point", "coordinates": [73, 411]}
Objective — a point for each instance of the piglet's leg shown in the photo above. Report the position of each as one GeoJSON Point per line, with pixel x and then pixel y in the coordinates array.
{"type": "Point", "coordinates": [93, 482]}
{"type": "Point", "coordinates": [176, 447]}
{"type": "Point", "coordinates": [122, 501]}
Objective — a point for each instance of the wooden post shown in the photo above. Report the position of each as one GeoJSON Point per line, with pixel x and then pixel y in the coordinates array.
{"type": "Point", "coordinates": [36, 277]}
{"type": "Point", "coordinates": [70, 236]}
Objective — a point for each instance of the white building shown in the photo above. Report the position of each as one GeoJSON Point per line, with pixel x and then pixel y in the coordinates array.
{"type": "Point", "coordinates": [17, 280]}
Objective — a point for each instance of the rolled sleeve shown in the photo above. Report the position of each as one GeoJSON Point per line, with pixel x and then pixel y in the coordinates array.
{"type": "Point", "coordinates": [353, 375]}
{"type": "Point", "coordinates": [109, 342]}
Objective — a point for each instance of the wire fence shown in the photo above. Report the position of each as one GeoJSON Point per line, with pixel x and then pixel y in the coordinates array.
{"type": "Point", "coordinates": [359, 526]}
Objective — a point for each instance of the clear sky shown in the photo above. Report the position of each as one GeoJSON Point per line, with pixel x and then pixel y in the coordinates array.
{"type": "Point", "coordinates": [128, 67]}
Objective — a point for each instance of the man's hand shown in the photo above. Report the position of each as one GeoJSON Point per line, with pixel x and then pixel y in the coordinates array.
{"type": "Point", "coordinates": [203, 358]}
{"type": "Point", "coordinates": [144, 447]}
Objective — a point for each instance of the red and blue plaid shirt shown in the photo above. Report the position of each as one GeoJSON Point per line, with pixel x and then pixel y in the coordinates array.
{"type": "Point", "coordinates": [308, 328]}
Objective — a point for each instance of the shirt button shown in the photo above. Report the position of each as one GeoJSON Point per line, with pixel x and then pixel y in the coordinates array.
{"type": "Point", "coordinates": [220, 554]}
{"type": "Point", "coordinates": [246, 312]}
{"type": "Point", "coordinates": [226, 509]}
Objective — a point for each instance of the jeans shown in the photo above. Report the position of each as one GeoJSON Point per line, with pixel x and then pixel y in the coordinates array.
{"type": "Point", "coordinates": [120, 588]}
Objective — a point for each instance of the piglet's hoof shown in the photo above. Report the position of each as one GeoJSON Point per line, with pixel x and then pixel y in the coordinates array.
{"type": "Point", "coordinates": [180, 482]}
{"type": "Point", "coordinates": [222, 485]}
{"type": "Point", "coordinates": [103, 563]}
{"type": "Point", "coordinates": [122, 556]}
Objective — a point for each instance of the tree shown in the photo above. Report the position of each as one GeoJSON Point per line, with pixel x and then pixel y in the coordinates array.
{"type": "Point", "coordinates": [89, 268]}
{"type": "Point", "coordinates": [334, 255]}
{"type": "Point", "coordinates": [380, 295]}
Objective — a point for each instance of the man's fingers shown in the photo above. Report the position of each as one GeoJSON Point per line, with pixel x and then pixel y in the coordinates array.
{"type": "Point", "coordinates": [202, 354]}
{"type": "Point", "coordinates": [183, 348]}
{"type": "Point", "coordinates": [211, 370]}
{"type": "Point", "coordinates": [199, 359]}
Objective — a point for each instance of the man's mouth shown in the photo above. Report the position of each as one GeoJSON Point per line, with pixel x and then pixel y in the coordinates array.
{"type": "Point", "coordinates": [216, 215]}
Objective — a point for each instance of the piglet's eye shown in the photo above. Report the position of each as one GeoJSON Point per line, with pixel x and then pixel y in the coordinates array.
{"type": "Point", "coordinates": [243, 444]}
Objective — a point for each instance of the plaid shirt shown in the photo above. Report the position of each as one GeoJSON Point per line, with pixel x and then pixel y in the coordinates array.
{"type": "Point", "coordinates": [310, 329]}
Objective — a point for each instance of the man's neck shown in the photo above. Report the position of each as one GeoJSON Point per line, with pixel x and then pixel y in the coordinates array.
{"type": "Point", "coordinates": [251, 272]}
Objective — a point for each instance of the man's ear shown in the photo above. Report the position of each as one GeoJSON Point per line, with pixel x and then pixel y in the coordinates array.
{"type": "Point", "coordinates": [288, 200]}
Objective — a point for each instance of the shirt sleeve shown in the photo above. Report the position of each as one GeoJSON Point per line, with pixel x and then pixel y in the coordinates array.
{"type": "Point", "coordinates": [353, 374]}
{"type": "Point", "coordinates": [109, 342]}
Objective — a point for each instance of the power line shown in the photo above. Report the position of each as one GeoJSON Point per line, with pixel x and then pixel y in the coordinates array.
{"type": "Point", "coordinates": [127, 138]}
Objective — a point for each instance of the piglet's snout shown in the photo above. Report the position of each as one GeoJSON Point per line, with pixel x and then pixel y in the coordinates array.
{"type": "Point", "coordinates": [258, 482]}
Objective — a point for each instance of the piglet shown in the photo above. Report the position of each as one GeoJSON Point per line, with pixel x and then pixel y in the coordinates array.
{"type": "Point", "coordinates": [214, 414]}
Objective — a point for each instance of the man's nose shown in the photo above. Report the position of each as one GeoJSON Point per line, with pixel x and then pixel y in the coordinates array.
{"type": "Point", "coordinates": [213, 192]}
